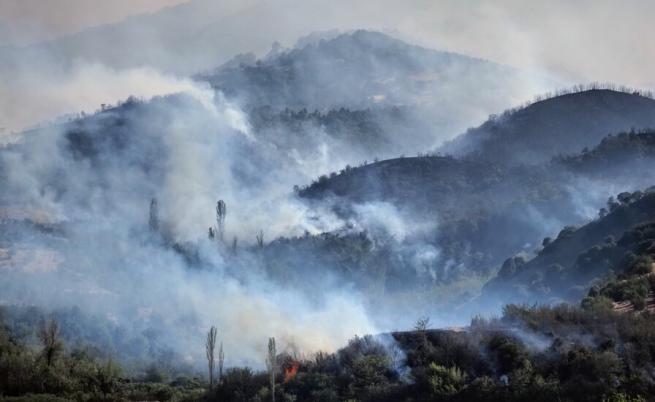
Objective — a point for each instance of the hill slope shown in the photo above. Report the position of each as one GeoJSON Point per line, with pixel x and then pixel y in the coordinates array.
{"type": "Point", "coordinates": [472, 201]}
{"type": "Point", "coordinates": [559, 125]}
{"type": "Point", "coordinates": [624, 156]}
{"type": "Point", "coordinates": [567, 266]}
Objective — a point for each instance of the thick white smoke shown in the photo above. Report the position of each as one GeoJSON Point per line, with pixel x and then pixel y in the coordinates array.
{"type": "Point", "coordinates": [196, 148]}
{"type": "Point", "coordinates": [40, 95]}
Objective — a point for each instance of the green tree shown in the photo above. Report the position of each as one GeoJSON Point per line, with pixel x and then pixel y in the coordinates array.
{"type": "Point", "coordinates": [445, 381]}
{"type": "Point", "coordinates": [49, 337]}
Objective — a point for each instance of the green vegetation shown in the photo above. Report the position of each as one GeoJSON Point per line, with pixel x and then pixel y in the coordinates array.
{"type": "Point", "coordinates": [538, 353]}
{"type": "Point", "coordinates": [555, 124]}
{"type": "Point", "coordinates": [51, 372]}
{"type": "Point", "coordinates": [581, 258]}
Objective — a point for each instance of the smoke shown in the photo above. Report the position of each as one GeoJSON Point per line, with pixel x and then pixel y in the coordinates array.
{"type": "Point", "coordinates": [545, 36]}
{"type": "Point", "coordinates": [188, 146]}
{"type": "Point", "coordinates": [187, 151]}
{"type": "Point", "coordinates": [384, 219]}
{"type": "Point", "coordinates": [39, 96]}
{"type": "Point", "coordinates": [93, 179]}
{"type": "Point", "coordinates": [165, 42]}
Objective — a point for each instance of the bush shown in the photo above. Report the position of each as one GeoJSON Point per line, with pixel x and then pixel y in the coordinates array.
{"type": "Point", "coordinates": [640, 266]}
{"type": "Point", "coordinates": [508, 353]}
{"type": "Point", "coordinates": [621, 397]}
{"type": "Point", "coordinates": [445, 381]}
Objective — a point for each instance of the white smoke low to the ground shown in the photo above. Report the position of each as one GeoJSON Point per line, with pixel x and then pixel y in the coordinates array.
{"type": "Point", "coordinates": [141, 287]}
{"type": "Point", "coordinates": [383, 218]}
{"type": "Point", "coordinates": [187, 151]}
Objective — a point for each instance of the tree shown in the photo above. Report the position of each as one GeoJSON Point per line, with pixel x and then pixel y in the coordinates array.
{"type": "Point", "coordinates": [271, 365]}
{"type": "Point", "coordinates": [108, 377]}
{"type": "Point", "coordinates": [221, 360]}
{"type": "Point", "coordinates": [221, 212]}
{"type": "Point", "coordinates": [154, 215]}
{"type": "Point", "coordinates": [422, 324]}
{"type": "Point", "coordinates": [444, 382]}
{"type": "Point", "coordinates": [260, 239]}
{"type": "Point", "coordinates": [49, 337]}
{"type": "Point", "coordinates": [624, 198]}
{"type": "Point", "coordinates": [423, 347]}
{"type": "Point", "coordinates": [210, 346]}
{"type": "Point", "coordinates": [612, 205]}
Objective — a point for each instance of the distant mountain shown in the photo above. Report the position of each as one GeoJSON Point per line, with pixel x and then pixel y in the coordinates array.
{"type": "Point", "coordinates": [440, 93]}
{"type": "Point", "coordinates": [358, 69]}
{"type": "Point", "coordinates": [364, 69]}
{"type": "Point", "coordinates": [560, 125]}
{"type": "Point", "coordinates": [164, 40]}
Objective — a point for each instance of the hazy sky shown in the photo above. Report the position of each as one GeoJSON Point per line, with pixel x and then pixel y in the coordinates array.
{"type": "Point", "coordinates": [568, 41]}
{"type": "Point", "coordinates": [606, 40]}
{"type": "Point", "coordinates": [27, 21]}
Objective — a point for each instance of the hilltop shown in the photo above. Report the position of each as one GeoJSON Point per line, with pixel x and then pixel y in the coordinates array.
{"type": "Point", "coordinates": [353, 70]}
{"type": "Point", "coordinates": [562, 124]}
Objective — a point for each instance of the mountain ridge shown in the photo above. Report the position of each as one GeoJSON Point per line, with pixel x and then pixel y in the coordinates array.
{"type": "Point", "coordinates": [558, 125]}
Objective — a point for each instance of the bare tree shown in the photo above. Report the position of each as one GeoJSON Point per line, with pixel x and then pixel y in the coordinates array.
{"type": "Point", "coordinates": [422, 324]}
{"type": "Point", "coordinates": [422, 349]}
{"type": "Point", "coordinates": [260, 239]}
{"type": "Point", "coordinates": [271, 365]}
{"type": "Point", "coordinates": [221, 212]}
{"type": "Point", "coordinates": [221, 360]}
{"type": "Point", "coordinates": [154, 215]}
{"type": "Point", "coordinates": [49, 337]}
{"type": "Point", "coordinates": [210, 346]}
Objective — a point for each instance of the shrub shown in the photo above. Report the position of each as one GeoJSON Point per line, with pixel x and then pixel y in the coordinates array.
{"type": "Point", "coordinates": [445, 381]}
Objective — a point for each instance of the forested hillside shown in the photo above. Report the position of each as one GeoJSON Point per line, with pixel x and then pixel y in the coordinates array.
{"type": "Point", "coordinates": [561, 124]}
{"type": "Point", "coordinates": [571, 263]}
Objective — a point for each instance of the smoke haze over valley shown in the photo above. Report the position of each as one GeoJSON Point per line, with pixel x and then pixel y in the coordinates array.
{"type": "Point", "coordinates": [312, 173]}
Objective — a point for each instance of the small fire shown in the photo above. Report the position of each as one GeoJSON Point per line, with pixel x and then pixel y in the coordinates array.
{"type": "Point", "coordinates": [290, 370]}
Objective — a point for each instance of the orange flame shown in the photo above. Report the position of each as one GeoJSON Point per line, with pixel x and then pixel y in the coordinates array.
{"type": "Point", "coordinates": [290, 371]}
